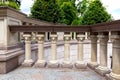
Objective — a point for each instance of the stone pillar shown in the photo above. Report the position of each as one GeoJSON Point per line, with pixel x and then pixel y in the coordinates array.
{"type": "Point", "coordinates": [115, 74]}
{"type": "Point", "coordinates": [74, 35]}
{"type": "Point", "coordinates": [80, 63]}
{"type": "Point", "coordinates": [67, 63]}
{"type": "Point", "coordinates": [28, 60]}
{"type": "Point", "coordinates": [102, 68]}
{"type": "Point", "coordinates": [93, 62]}
{"type": "Point", "coordinates": [53, 62]}
{"type": "Point", "coordinates": [46, 36]}
{"type": "Point", "coordinates": [40, 62]}
{"type": "Point", "coordinates": [71, 35]}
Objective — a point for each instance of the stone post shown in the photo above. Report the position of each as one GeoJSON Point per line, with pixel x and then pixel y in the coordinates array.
{"type": "Point", "coordinates": [102, 68]}
{"type": "Point", "coordinates": [80, 63]}
{"type": "Point", "coordinates": [28, 60]}
{"type": "Point", "coordinates": [74, 37]}
{"type": "Point", "coordinates": [93, 62]}
{"type": "Point", "coordinates": [71, 33]}
{"type": "Point", "coordinates": [67, 63]}
{"type": "Point", "coordinates": [115, 74]}
{"type": "Point", "coordinates": [40, 62]}
{"type": "Point", "coordinates": [53, 62]}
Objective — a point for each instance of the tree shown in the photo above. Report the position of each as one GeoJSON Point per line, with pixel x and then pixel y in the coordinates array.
{"type": "Point", "coordinates": [47, 10]}
{"type": "Point", "coordinates": [82, 6]}
{"type": "Point", "coordinates": [95, 13]}
{"type": "Point", "coordinates": [68, 12]}
{"type": "Point", "coordinates": [11, 3]}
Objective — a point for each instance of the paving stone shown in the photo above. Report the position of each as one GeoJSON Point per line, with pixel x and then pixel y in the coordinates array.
{"type": "Point", "coordinates": [50, 74]}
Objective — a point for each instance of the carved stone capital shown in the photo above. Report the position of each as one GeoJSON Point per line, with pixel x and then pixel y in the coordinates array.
{"type": "Point", "coordinates": [80, 37]}
{"type": "Point", "coordinates": [103, 38]}
{"type": "Point", "coordinates": [40, 38]}
{"type": "Point", "coordinates": [53, 38]}
{"type": "Point", "coordinates": [27, 37]}
{"type": "Point", "coordinates": [67, 37]}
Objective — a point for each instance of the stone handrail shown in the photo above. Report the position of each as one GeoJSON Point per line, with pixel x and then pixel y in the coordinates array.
{"type": "Point", "coordinates": [101, 27]}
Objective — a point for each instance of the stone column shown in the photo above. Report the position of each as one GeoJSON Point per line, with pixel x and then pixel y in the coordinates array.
{"type": "Point", "coordinates": [67, 63]}
{"type": "Point", "coordinates": [46, 36]}
{"type": "Point", "coordinates": [115, 74]}
{"type": "Point", "coordinates": [53, 62]}
{"type": "Point", "coordinates": [71, 35]}
{"type": "Point", "coordinates": [93, 62]}
{"type": "Point", "coordinates": [74, 37]}
{"type": "Point", "coordinates": [102, 68]}
{"type": "Point", "coordinates": [40, 62]}
{"type": "Point", "coordinates": [80, 63]}
{"type": "Point", "coordinates": [28, 60]}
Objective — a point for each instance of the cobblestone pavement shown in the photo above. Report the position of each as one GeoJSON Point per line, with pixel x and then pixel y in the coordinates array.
{"type": "Point", "coordinates": [50, 74]}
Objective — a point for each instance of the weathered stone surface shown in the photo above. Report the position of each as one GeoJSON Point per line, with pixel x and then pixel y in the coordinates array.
{"type": "Point", "coordinates": [101, 71]}
{"type": "Point", "coordinates": [8, 65]}
{"type": "Point", "coordinates": [50, 74]}
{"type": "Point", "coordinates": [92, 66]}
{"type": "Point", "coordinates": [40, 65]}
{"type": "Point", "coordinates": [53, 64]}
{"type": "Point", "coordinates": [66, 65]}
{"type": "Point", "coordinates": [80, 65]}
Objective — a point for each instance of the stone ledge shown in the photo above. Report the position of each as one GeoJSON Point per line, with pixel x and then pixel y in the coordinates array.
{"type": "Point", "coordinates": [40, 64]}
{"type": "Point", "coordinates": [102, 72]}
{"type": "Point", "coordinates": [6, 66]}
{"type": "Point", "coordinates": [10, 54]}
{"type": "Point", "coordinates": [53, 64]}
{"type": "Point", "coordinates": [108, 77]}
{"type": "Point", "coordinates": [92, 66]}
{"type": "Point", "coordinates": [80, 65]}
{"type": "Point", "coordinates": [67, 64]}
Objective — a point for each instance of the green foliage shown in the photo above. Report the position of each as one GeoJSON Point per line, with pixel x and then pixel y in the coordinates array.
{"type": "Point", "coordinates": [68, 12]}
{"type": "Point", "coordinates": [76, 21]}
{"type": "Point", "coordinates": [47, 10]}
{"type": "Point", "coordinates": [10, 3]}
{"type": "Point", "coordinates": [95, 13]}
{"type": "Point", "coordinates": [86, 12]}
{"type": "Point", "coordinates": [82, 6]}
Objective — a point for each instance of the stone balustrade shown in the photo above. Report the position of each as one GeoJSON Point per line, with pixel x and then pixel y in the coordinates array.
{"type": "Point", "coordinates": [101, 68]}
{"type": "Point", "coordinates": [13, 23]}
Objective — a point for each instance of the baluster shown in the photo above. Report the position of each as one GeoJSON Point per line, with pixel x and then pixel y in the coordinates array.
{"type": "Point", "coordinates": [102, 68]}
{"type": "Point", "coordinates": [93, 62]}
{"type": "Point", "coordinates": [28, 60]}
{"type": "Point", "coordinates": [80, 63]}
{"type": "Point", "coordinates": [115, 74]}
{"type": "Point", "coordinates": [53, 62]}
{"type": "Point", "coordinates": [67, 63]}
{"type": "Point", "coordinates": [40, 62]}
{"type": "Point", "coordinates": [74, 35]}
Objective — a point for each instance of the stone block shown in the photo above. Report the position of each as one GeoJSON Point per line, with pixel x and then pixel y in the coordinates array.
{"type": "Point", "coordinates": [92, 66]}
{"type": "Point", "coordinates": [7, 66]}
{"type": "Point", "coordinates": [67, 65]}
{"type": "Point", "coordinates": [53, 64]}
{"type": "Point", "coordinates": [40, 65]}
{"type": "Point", "coordinates": [80, 65]}
{"type": "Point", "coordinates": [101, 71]}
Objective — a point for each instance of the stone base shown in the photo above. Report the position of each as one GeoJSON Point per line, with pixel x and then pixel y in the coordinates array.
{"type": "Point", "coordinates": [67, 64]}
{"type": "Point", "coordinates": [92, 65]}
{"type": "Point", "coordinates": [80, 65]}
{"type": "Point", "coordinates": [27, 63]}
{"type": "Point", "coordinates": [40, 64]}
{"type": "Point", "coordinates": [10, 64]}
{"type": "Point", "coordinates": [111, 77]}
{"type": "Point", "coordinates": [53, 64]}
{"type": "Point", "coordinates": [102, 70]}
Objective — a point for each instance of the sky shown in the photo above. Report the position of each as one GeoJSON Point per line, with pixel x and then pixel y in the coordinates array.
{"type": "Point", "coordinates": [112, 6]}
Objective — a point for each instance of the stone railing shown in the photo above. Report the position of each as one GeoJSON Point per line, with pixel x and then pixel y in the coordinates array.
{"type": "Point", "coordinates": [11, 27]}
{"type": "Point", "coordinates": [98, 31]}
